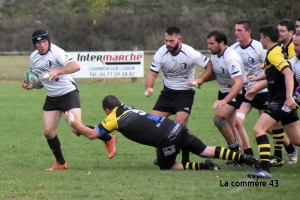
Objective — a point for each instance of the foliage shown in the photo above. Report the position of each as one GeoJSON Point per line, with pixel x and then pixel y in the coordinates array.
{"type": "Point", "coordinates": [93, 25]}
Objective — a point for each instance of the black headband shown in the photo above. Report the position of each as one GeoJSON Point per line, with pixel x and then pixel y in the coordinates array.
{"type": "Point", "coordinates": [41, 37]}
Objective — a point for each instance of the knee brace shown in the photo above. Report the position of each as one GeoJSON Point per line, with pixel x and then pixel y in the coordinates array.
{"type": "Point", "coordinates": [220, 122]}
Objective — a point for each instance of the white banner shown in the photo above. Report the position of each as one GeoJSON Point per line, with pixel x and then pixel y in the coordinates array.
{"type": "Point", "coordinates": [109, 64]}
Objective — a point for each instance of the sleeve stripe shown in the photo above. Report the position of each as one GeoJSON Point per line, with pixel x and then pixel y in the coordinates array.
{"type": "Point", "coordinates": [101, 131]}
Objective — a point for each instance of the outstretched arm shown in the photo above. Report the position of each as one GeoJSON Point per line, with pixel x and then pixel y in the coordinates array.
{"type": "Point", "coordinates": [82, 129]}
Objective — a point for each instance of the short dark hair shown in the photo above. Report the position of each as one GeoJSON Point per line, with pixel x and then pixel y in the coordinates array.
{"type": "Point", "coordinates": [297, 34]}
{"type": "Point", "coordinates": [270, 31]}
{"type": "Point", "coordinates": [173, 30]}
{"type": "Point", "coordinates": [298, 19]}
{"type": "Point", "coordinates": [219, 36]}
{"type": "Point", "coordinates": [246, 23]}
{"type": "Point", "coordinates": [289, 24]}
{"type": "Point", "coordinates": [110, 102]}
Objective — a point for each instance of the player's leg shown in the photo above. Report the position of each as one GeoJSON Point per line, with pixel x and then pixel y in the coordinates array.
{"type": "Point", "coordinates": [51, 120]}
{"type": "Point", "coordinates": [241, 114]}
{"type": "Point", "coordinates": [276, 159]}
{"type": "Point", "coordinates": [51, 116]}
{"type": "Point", "coordinates": [197, 147]}
{"type": "Point", "coordinates": [291, 126]}
{"type": "Point", "coordinates": [182, 105]}
{"type": "Point", "coordinates": [231, 122]}
{"type": "Point", "coordinates": [264, 122]}
{"type": "Point", "coordinates": [182, 140]}
{"type": "Point", "coordinates": [220, 122]}
{"type": "Point", "coordinates": [162, 109]}
{"type": "Point", "coordinates": [182, 117]}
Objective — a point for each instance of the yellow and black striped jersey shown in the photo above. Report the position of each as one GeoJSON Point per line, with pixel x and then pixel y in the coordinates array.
{"type": "Point", "coordinates": [276, 62]}
{"type": "Point", "coordinates": [137, 125]}
{"type": "Point", "coordinates": [289, 51]}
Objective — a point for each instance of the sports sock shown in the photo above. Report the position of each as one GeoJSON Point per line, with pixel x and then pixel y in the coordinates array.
{"type": "Point", "coordinates": [185, 155]}
{"type": "Point", "coordinates": [194, 166]}
{"type": "Point", "coordinates": [278, 141]}
{"type": "Point", "coordinates": [248, 151]}
{"type": "Point", "coordinates": [227, 154]}
{"type": "Point", "coordinates": [290, 148]}
{"type": "Point", "coordinates": [54, 145]}
{"type": "Point", "coordinates": [104, 138]}
{"type": "Point", "coordinates": [234, 146]}
{"type": "Point", "coordinates": [264, 152]}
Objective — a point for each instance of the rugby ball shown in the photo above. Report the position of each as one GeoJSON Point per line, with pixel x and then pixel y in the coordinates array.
{"type": "Point", "coordinates": [33, 78]}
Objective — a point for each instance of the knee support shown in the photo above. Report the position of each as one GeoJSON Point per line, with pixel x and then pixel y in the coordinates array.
{"type": "Point", "coordinates": [220, 122]}
{"type": "Point", "coordinates": [240, 115]}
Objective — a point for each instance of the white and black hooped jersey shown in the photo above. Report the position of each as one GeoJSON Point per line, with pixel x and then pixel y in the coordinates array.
{"type": "Point", "coordinates": [226, 67]}
{"type": "Point", "coordinates": [54, 59]}
{"type": "Point", "coordinates": [252, 56]}
{"type": "Point", "coordinates": [295, 64]}
{"type": "Point", "coordinates": [178, 70]}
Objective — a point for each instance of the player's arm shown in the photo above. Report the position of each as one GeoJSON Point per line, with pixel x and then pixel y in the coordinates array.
{"type": "Point", "coordinates": [69, 65]}
{"type": "Point", "coordinates": [237, 86]}
{"type": "Point", "coordinates": [256, 78]}
{"type": "Point", "coordinates": [84, 130]}
{"type": "Point", "coordinates": [289, 85]}
{"type": "Point", "coordinates": [207, 75]}
{"type": "Point", "coordinates": [69, 68]}
{"type": "Point", "coordinates": [150, 80]}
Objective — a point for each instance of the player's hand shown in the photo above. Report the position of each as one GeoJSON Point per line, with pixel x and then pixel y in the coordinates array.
{"type": "Point", "coordinates": [69, 117]}
{"type": "Point", "coordinates": [26, 85]}
{"type": "Point", "coordinates": [49, 75]}
{"type": "Point", "coordinates": [148, 92]}
{"type": "Point", "coordinates": [252, 78]}
{"type": "Point", "coordinates": [261, 66]}
{"type": "Point", "coordinates": [290, 102]}
{"type": "Point", "coordinates": [196, 83]}
{"type": "Point", "coordinates": [298, 89]}
{"type": "Point", "coordinates": [218, 104]}
{"type": "Point", "coordinates": [251, 92]}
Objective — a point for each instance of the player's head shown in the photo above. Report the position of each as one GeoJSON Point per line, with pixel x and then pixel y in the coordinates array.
{"type": "Point", "coordinates": [296, 42]}
{"type": "Point", "coordinates": [173, 39]}
{"type": "Point", "coordinates": [268, 34]}
{"type": "Point", "coordinates": [243, 30]}
{"type": "Point", "coordinates": [41, 40]}
{"type": "Point", "coordinates": [216, 42]}
{"type": "Point", "coordinates": [109, 103]}
{"type": "Point", "coordinates": [286, 29]}
{"type": "Point", "coordinates": [298, 25]}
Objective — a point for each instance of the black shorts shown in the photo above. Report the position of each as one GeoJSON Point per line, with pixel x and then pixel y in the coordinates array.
{"type": "Point", "coordinates": [236, 102]}
{"type": "Point", "coordinates": [260, 101]}
{"type": "Point", "coordinates": [173, 101]}
{"type": "Point", "coordinates": [168, 150]}
{"type": "Point", "coordinates": [64, 103]}
{"type": "Point", "coordinates": [276, 111]}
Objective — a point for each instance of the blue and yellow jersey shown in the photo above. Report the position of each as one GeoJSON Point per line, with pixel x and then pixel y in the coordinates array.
{"type": "Point", "coordinates": [136, 125]}
{"type": "Point", "coordinates": [276, 62]}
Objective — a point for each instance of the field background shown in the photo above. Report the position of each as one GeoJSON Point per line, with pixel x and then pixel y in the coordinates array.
{"type": "Point", "coordinates": [130, 175]}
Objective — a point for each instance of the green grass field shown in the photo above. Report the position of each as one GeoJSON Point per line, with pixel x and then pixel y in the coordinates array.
{"type": "Point", "coordinates": [130, 174]}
